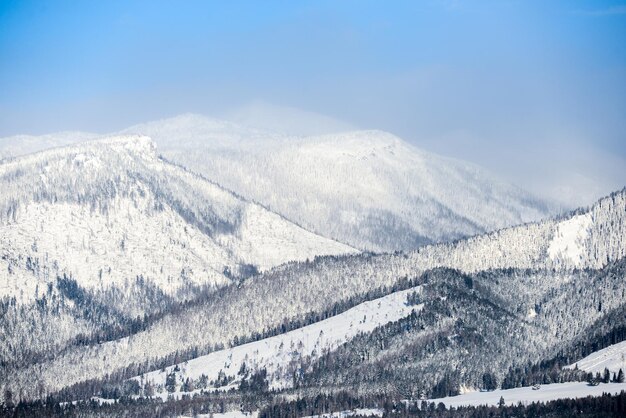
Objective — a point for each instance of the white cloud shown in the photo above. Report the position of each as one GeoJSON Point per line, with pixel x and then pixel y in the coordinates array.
{"type": "Point", "coordinates": [285, 119]}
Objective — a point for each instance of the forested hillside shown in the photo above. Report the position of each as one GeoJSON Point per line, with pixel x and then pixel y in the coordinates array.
{"type": "Point", "coordinates": [101, 239]}
{"type": "Point", "coordinates": [299, 293]}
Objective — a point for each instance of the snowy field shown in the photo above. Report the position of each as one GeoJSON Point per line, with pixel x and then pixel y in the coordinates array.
{"type": "Point", "coordinates": [527, 395]}
{"type": "Point", "coordinates": [231, 414]}
{"type": "Point", "coordinates": [280, 353]}
{"type": "Point", "coordinates": [368, 412]}
{"type": "Point", "coordinates": [371, 412]}
{"type": "Point", "coordinates": [613, 358]}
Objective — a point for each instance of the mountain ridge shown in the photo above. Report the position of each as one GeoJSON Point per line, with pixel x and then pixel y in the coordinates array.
{"type": "Point", "coordinates": [368, 189]}
{"type": "Point", "coordinates": [360, 187]}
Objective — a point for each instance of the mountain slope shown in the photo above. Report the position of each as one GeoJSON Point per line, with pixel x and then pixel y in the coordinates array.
{"type": "Point", "coordinates": [108, 211]}
{"type": "Point", "coordinates": [612, 358]}
{"type": "Point", "coordinates": [471, 325]}
{"type": "Point", "coordinates": [280, 354]}
{"type": "Point", "coordinates": [291, 293]}
{"type": "Point", "coordinates": [462, 325]}
{"type": "Point", "coordinates": [366, 188]}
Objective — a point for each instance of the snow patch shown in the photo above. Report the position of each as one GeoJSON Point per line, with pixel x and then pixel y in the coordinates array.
{"type": "Point", "coordinates": [366, 412]}
{"type": "Point", "coordinates": [137, 144]}
{"type": "Point", "coordinates": [231, 414]}
{"type": "Point", "coordinates": [527, 395]}
{"type": "Point", "coordinates": [568, 240]}
{"type": "Point", "coordinates": [466, 389]}
{"type": "Point", "coordinates": [612, 357]}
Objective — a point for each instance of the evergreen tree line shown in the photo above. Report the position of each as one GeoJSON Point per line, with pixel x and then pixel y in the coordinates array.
{"type": "Point", "coordinates": [590, 407]}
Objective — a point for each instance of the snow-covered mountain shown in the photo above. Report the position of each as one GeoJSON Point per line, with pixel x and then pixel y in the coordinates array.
{"type": "Point", "coordinates": [368, 189]}
{"type": "Point", "coordinates": [552, 263]}
{"type": "Point", "coordinates": [109, 211]}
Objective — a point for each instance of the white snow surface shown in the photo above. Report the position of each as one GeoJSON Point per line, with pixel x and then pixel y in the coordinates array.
{"type": "Point", "coordinates": [83, 244]}
{"type": "Point", "coordinates": [569, 238]}
{"type": "Point", "coordinates": [527, 395]}
{"type": "Point", "coordinates": [280, 353]}
{"type": "Point", "coordinates": [367, 412]}
{"type": "Point", "coordinates": [612, 357]}
{"type": "Point", "coordinates": [230, 414]}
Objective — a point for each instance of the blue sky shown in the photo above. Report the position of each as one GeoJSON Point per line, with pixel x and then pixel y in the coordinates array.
{"type": "Point", "coordinates": [522, 87]}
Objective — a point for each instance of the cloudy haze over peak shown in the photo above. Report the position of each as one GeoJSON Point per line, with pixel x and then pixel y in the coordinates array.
{"type": "Point", "coordinates": [534, 91]}
{"type": "Point", "coordinates": [288, 120]}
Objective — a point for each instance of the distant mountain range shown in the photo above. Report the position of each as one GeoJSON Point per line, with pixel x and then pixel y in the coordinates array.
{"type": "Point", "coordinates": [367, 189]}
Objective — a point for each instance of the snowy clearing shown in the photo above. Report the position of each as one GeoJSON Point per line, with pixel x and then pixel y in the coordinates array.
{"type": "Point", "coordinates": [569, 237]}
{"type": "Point", "coordinates": [368, 412]}
{"type": "Point", "coordinates": [527, 395]}
{"type": "Point", "coordinates": [231, 414]}
{"type": "Point", "coordinates": [612, 357]}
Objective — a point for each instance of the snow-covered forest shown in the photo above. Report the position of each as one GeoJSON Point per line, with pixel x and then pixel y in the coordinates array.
{"type": "Point", "coordinates": [119, 265]}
